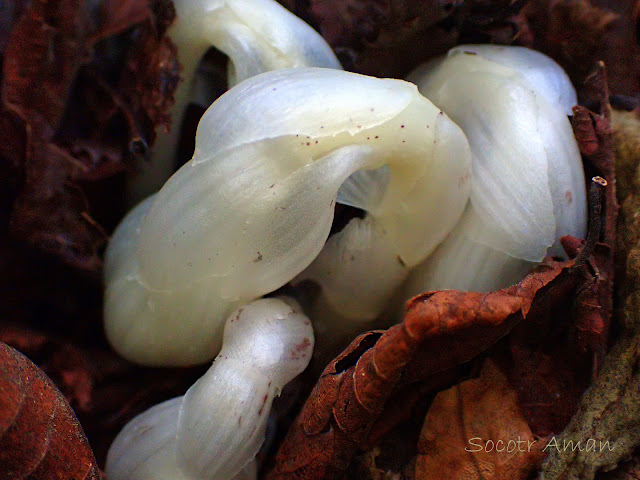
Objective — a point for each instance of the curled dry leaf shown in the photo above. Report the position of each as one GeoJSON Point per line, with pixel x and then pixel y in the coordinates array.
{"type": "Point", "coordinates": [151, 72]}
{"type": "Point", "coordinates": [609, 410]}
{"type": "Point", "coordinates": [440, 330]}
{"type": "Point", "coordinates": [40, 437]}
{"type": "Point", "coordinates": [595, 298]}
{"type": "Point", "coordinates": [475, 431]}
{"type": "Point", "coordinates": [549, 364]}
{"type": "Point", "coordinates": [445, 329]}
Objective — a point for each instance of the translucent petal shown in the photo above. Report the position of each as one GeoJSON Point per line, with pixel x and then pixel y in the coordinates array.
{"type": "Point", "coordinates": [364, 189]}
{"type": "Point", "coordinates": [215, 430]}
{"type": "Point", "coordinates": [257, 35]}
{"type": "Point", "coordinates": [248, 472]}
{"type": "Point", "coordinates": [223, 416]}
{"type": "Point", "coordinates": [462, 263]}
{"type": "Point", "coordinates": [359, 256]}
{"type": "Point", "coordinates": [223, 419]}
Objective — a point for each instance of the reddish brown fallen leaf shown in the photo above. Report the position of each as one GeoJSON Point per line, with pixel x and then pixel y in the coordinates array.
{"type": "Point", "coordinates": [440, 330]}
{"type": "Point", "coordinates": [63, 124]}
{"type": "Point", "coordinates": [475, 431]}
{"type": "Point", "coordinates": [450, 327]}
{"type": "Point", "coordinates": [115, 16]}
{"type": "Point", "coordinates": [151, 72]}
{"type": "Point", "coordinates": [578, 33]}
{"type": "Point", "coordinates": [40, 437]}
{"type": "Point", "coordinates": [408, 401]}
{"type": "Point", "coordinates": [549, 373]}
{"type": "Point", "coordinates": [389, 38]}
{"type": "Point", "coordinates": [551, 363]}
{"type": "Point", "coordinates": [620, 49]}
{"type": "Point", "coordinates": [609, 410]}
{"type": "Point", "coordinates": [35, 88]}
{"type": "Point", "coordinates": [404, 33]}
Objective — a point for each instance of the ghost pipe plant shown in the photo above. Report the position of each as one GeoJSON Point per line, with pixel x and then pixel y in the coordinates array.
{"type": "Point", "coordinates": [255, 205]}
{"type": "Point", "coordinates": [257, 36]}
{"type": "Point", "coordinates": [528, 187]}
{"type": "Point", "coordinates": [214, 431]}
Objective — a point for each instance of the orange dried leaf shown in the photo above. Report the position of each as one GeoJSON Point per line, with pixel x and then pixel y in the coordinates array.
{"type": "Point", "coordinates": [475, 430]}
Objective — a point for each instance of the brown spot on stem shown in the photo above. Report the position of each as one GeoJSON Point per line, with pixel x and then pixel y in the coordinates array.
{"type": "Point", "coordinates": [264, 402]}
{"type": "Point", "coordinates": [568, 196]}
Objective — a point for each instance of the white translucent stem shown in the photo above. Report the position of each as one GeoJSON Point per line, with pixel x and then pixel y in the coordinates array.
{"type": "Point", "coordinates": [214, 431]}
{"type": "Point", "coordinates": [257, 36]}
{"type": "Point", "coordinates": [254, 206]}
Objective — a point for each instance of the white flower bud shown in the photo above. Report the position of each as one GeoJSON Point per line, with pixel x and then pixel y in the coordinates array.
{"type": "Point", "coordinates": [528, 186]}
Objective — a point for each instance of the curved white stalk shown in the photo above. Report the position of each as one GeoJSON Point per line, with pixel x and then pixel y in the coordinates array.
{"type": "Point", "coordinates": [528, 186]}
{"type": "Point", "coordinates": [257, 35]}
{"type": "Point", "coordinates": [214, 431]}
{"type": "Point", "coordinates": [254, 206]}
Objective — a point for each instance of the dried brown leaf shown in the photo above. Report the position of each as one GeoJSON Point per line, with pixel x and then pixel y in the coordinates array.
{"type": "Point", "coordinates": [151, 73]}
{"type": "Point", "coordinates": [383, 37]}
{"type": "Point", "coordinates": [548, 371]}
{"type": "Point", "coordinates": [451, 326]}
{"type": "Point", "coordinates": [45, 50]}
{"type": "Point", "coordinates": [66, 128]}
{"type": "Point", "coordinates": [579, 33]}
{"type": "Point", "coordinates": [40, 437]}
{"type": "Point", "coordinates": [550, 363]}
{"type": "Point", "coordinates": [475, 431]}
{"type": "Point", "coordinates": [609, 411]}
{"type": "Point", "coordinates": [595, 298]}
